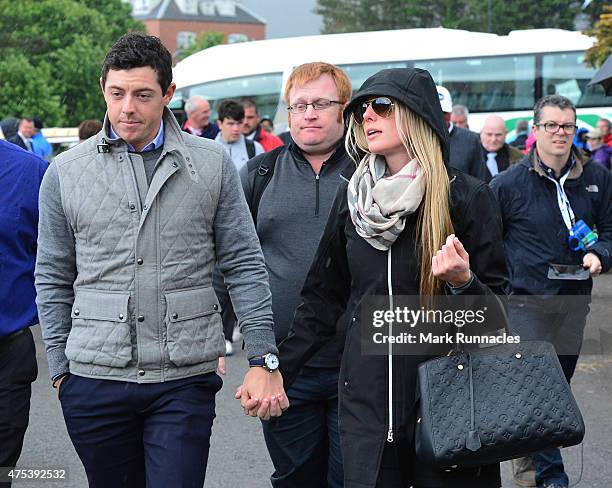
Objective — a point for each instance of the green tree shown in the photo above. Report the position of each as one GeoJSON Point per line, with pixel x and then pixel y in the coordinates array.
{"type": "Point", "coordinates": [61, 45]}
{"type": "Point", "coordinates": [595, 9]}
{"type": "Point", "coordinates": [203, 41]}
{"type": "Point", "coordinates": [475, 15]}
{"type": "Point", "coordinates": [602, 48]}
{"type": "Point", "coordinates": [28, 93]}
{"type": "Point", "coordinates": [520, 14]}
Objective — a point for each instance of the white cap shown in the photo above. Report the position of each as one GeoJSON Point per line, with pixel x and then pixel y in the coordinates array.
{"type": "Point", "coordinates": [446, 102]}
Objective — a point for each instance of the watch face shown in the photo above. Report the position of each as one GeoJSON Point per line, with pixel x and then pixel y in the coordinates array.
{"type": "Point", "coordinates": [271, 361]}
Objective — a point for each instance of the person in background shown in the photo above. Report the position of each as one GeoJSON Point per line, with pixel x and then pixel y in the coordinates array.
{"type": "Point", "coordinates": [465, 152]}
{"type": "Point", "coordinates": [198, 118]}
{"type": "Point", "coordinates": [40, 145]}
{"type": "Point", "coordinates": [230, 121]}
{"type": "Point", "coordinates": [89, 128]}
{"type": "Point", "coordinates": [21, 174]}
{"type": "Point", "coordinates": [605, 127]}
{"type": "Point", "coordinates": [267, 125]}
{"type": "Point", "coordinates": [9, 127]}
{"type": "Point", "coordinates": [601, 153]}
{"type": "Point", "coordinates": [23, 137]}
{"type": "Point", "coordinates": [459, 116]}
{"type": "Point", "coordinates": [291, 213]}
{"type": "Point", "coordinates": [520, 135]}
{"type": "Point", "coordinates": [542, 199]}
{"type": "Point", "coordinates": [498, 155]}
{"type": "Point", "coordinates": [252, 129]}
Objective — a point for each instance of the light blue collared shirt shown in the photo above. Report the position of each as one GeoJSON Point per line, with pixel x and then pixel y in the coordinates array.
{"type": "Point", "coordinates": [152, 146]}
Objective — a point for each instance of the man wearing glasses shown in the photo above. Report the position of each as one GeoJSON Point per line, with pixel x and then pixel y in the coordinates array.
{"type": "Point", "coordinates": [557, 216]}
{"type": "Point", "coordinates": [290, 191]}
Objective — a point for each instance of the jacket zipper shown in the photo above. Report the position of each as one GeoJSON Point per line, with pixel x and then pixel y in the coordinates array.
{"type": "Point", "coordinates": [317, 195]}
{"type": "Point", "coordinates": [390, 355]}
{"type": "Point", "coordinates": [317, 178]}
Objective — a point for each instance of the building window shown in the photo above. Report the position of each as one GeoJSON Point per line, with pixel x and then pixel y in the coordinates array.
{"type": "Point", "coordinates": [141, 7]}
{"type": "Point", "coordinates": [207, 8]}
{"type": "Point", "coordinates": [188, 6]}
{"type": "Point", "coordinates": [185, 40]}
{"type": "Point", "coordinates": [237, 37]}
{"type": "Point", "coordinates": [226, 8]}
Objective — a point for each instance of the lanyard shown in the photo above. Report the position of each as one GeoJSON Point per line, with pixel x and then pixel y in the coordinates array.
{"type": "Point", "coordinates": [563, 202]}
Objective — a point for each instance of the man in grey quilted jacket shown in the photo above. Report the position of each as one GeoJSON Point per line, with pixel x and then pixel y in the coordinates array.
{"type": "Point", "coordinates": [132, 222]}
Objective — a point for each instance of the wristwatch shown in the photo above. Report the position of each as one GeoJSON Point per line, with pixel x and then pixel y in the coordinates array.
{"type": "Point", "coordinates": [269, 362]}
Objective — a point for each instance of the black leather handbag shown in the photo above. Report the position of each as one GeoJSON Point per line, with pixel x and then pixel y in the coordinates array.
{"type": "Point", "coordinates": [492, 405]}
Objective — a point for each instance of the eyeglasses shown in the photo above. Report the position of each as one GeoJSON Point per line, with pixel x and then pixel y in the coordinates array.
{"type": "Point", "coordinates": [553, 127]}
{"type": "Point", "coordinates": [382, 106]}
{"type": "Point", "coordinates": [320, 104]}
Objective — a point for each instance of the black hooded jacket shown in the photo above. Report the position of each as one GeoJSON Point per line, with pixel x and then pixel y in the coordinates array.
{"type": "Point", "coordinates": [346, 269]}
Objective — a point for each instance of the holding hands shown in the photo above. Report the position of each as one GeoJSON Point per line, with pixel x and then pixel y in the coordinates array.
{"type": "Point", "coordinates": [452, 263]}
{"type": "Point", "coordinates": [262, 394]}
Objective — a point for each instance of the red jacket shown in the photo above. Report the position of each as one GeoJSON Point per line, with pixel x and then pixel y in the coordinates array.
{"type": "Point", "coordinates": [267, 140]}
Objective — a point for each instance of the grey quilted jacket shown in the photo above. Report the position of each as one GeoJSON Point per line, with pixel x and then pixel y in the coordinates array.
{"type": "Point", "coordinates": [124, 268]}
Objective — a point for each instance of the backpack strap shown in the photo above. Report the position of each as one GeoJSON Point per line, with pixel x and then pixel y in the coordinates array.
{"type": "Point", "coordinates": [250, 148]}
{"type": "Point", "coordinates": [263, 169]}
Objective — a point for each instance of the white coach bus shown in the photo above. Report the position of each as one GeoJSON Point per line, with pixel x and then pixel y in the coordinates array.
{"type": "Point", "coordinates": [485, 72]}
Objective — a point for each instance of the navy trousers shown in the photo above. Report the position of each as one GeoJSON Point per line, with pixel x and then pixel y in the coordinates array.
{"type": "Point", "coordinates": [304, 443]}
{"type": "Point", "coordinates": [141, 435]}
{"type": "Point", "coordinates": [563, 325]}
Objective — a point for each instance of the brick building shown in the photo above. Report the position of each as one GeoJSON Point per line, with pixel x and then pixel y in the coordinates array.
{"type": "Point", "coordinates": [178, 22]}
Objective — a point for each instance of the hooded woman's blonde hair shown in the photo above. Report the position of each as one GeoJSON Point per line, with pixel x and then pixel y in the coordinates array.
{"type": "Point", "coordinates": [434, 221]}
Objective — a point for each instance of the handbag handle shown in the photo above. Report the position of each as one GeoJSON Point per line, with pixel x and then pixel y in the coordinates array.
{"type": "Point", "coordinates": [459, 349]}
{"type": "Point", "coordinates": [473, 439]}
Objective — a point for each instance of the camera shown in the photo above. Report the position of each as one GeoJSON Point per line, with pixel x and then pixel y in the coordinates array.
{"type": "Point", "coordinates": [582, 237]}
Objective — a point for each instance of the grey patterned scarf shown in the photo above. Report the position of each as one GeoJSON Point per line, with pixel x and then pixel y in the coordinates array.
{"type": "Point", "coordinates": [379, 202]}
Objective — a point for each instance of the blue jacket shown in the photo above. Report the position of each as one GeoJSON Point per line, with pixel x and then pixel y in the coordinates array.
{"type": "Point", "coordinates": [41, 146]}
{"type": "Point", "coordinates": [20, 175]}
{"type": "Point", "coordinates": [534, 233]}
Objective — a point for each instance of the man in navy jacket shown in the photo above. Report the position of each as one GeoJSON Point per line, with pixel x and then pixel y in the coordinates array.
{"type": "Point", "coordinates": [542, 198]}
{"type": "Point", "coordinates": [20, 175]}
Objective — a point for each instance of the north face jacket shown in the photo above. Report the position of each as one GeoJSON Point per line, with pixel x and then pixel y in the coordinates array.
{"type": "Point", "coordinates": [535, 235]}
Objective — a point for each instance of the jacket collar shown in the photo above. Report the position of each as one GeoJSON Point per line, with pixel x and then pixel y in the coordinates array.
{"type": "Point", "coordinates": [532, 160]}
{"type": "Point", "coordinates": [338, 154]}
{"type": "Point", "coordinates": [173, 136]}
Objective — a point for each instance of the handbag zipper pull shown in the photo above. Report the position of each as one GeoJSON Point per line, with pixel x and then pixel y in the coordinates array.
{"type": "Point", "coordinates": [390, 435]}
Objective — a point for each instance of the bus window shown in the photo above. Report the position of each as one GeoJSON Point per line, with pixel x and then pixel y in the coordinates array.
{"type": "Point", "coordinates": [487, 84]}
{"type": "Point", "coordinates": [566, 74]}
{"type": "Point", "coordinates": [263, 89]}
{"type": "Point", "coordinates": [358, 73]}
{"type": "Point", "coordinates": [176, 106]}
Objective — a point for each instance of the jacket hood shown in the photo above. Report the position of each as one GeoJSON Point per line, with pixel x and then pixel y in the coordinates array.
{"type": "Point", "coordinates": [415, 88]}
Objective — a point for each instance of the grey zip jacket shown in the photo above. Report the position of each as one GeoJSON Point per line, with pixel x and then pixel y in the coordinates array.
{"type": "Point", "coordinates": [124, 267]}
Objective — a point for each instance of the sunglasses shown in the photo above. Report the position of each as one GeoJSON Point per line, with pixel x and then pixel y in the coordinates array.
{"type": "Point", "coordinates": [382, 106]}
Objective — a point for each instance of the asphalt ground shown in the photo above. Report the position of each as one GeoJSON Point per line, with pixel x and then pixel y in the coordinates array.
{"type": "Point", "coordinates": [238, 456]}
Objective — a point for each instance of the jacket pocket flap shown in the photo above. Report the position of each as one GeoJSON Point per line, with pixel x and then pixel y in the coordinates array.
{"type": "Point", "coordinates": [99, 305]}
{"type": "Point", "coordinates": [191, 303]}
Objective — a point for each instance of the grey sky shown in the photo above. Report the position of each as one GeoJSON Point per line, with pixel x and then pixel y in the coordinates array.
{"type": "Point", "coordinates": [287, 18]}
